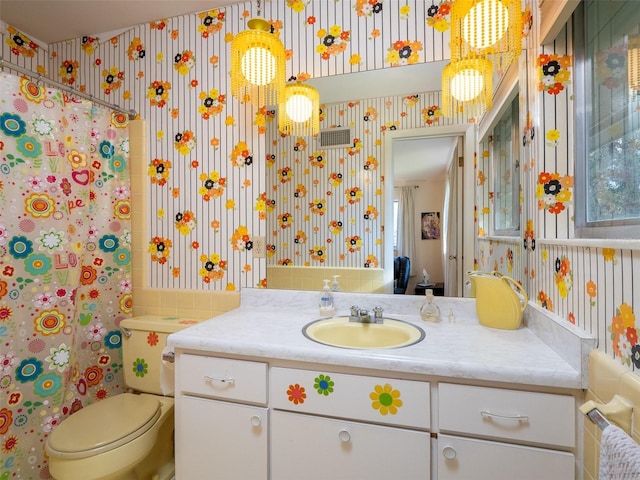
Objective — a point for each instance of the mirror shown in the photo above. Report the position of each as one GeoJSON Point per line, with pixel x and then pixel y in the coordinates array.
{"type": "Point", "coordinates": [326, 206]}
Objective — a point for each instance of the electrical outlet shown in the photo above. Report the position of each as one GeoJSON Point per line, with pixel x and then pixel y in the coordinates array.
{"type": "Point", "coordinates": [259, 247]}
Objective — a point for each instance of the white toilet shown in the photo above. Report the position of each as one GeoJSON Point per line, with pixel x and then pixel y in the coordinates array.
{"type": "Point", "coordinates": [128, 436]}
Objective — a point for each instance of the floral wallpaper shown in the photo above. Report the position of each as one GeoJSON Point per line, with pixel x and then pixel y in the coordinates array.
{"type": "Point", "coordinates": [325, 205]}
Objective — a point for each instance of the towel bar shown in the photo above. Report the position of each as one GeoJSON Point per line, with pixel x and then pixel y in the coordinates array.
{"type": "Point", "coordinates": [618, 411]}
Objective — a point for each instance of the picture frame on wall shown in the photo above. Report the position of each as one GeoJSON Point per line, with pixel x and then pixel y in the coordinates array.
{"type": "Point", "coordinates": [430, 225]}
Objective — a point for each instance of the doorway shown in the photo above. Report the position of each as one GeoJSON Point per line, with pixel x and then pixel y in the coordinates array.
{"type": "Point", "coordinates": [456, 256]}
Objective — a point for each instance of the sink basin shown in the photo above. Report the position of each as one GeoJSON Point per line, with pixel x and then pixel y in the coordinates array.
{"type": "Point", "coordinates": [340, 332]}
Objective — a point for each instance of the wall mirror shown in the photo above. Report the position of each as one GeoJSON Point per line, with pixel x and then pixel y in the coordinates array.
{"type": "Point", "coordinates": [328, 206]}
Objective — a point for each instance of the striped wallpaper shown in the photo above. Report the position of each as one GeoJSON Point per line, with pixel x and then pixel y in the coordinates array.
{"type": "Point", "coordinates": [347, 183]}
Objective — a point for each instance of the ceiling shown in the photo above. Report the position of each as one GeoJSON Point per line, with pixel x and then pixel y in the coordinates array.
{"type": "Point", "coordinates": [52, 21]}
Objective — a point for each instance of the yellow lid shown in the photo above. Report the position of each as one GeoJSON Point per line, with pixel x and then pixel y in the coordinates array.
{"type": "Point", "coordinates": [104, 425]}
{"type": "Point", "coordinates": [158, 323]}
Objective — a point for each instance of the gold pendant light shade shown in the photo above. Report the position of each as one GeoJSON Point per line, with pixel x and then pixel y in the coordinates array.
{"type": "Point", "coordinates": [484, 34]}
{"type": "Point", "coordinates": [467, 87]}
{"type": "Point", "coordinates": [299, 112]}
{"type": "Point", "coordinates": [257, 65]}
{"type": "Point", "coordinates": [491, 28]}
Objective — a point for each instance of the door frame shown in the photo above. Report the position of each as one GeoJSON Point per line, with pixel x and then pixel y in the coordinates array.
{"type": "Point", "coordinates": [466, 192]}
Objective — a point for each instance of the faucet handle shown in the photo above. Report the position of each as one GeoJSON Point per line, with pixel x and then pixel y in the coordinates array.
{"type": "Point", "coordinates": [355, 310]}
{"type": "Point", "coordinates": [377, 311]}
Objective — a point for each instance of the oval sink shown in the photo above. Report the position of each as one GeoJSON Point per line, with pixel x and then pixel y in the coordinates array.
{"type": "Point", "coordinates": [340, 332]}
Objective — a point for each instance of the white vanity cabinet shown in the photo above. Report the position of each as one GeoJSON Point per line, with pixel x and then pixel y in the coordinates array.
{"type": "Point", "coordinates": [222, 424]}
{"type": "Point", "coordinates": [265, 420]}
{"type": "Point", "coordinates": [340, 426]}
{"type": "Point", "coordinates": [487, 433]}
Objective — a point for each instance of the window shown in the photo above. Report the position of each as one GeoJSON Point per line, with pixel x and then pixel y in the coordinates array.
{"type": "Point", "coordinates": [505, 164]}
{"type": "Point", "coordinates": [607, 39]}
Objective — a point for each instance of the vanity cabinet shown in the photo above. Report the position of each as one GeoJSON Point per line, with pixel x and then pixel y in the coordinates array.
{"type": "Point", "coordinates": [247, 419]}
{"type": "Point", "coordinates": [333, 425]}
{"type": "Point", "coordinates": [487, 433]}
{"type": "Point", "coordinates": [222, 423]}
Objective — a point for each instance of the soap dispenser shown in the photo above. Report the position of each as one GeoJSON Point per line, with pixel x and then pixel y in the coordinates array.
{"type": "Point", "coordinates": [335, 286]}
{"type": "Point", "coordinates": [429, 311]}
{"type": "Point", "coordinates": [326, 301]}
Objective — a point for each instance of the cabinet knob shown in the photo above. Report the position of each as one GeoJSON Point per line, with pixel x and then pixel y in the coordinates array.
{"type": "Point", "coordinates": [449, 453]}
{"type": "Point", "coordinates": [344, 435]}
{"type": "Point", "coordinates": [256, 421]}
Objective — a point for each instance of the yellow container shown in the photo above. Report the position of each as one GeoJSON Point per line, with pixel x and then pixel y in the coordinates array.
{"type": "Point", "coordinates": [500, 300]}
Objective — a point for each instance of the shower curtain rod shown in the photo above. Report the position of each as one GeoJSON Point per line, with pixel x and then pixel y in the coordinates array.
{"type": "Point", "coordinates": [4, 63]}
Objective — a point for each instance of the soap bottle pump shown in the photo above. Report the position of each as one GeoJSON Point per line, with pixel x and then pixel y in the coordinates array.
{"type": "Point", "coordinates": [325, 301]}
{"type": "Point", "coordinates": [429, 311]}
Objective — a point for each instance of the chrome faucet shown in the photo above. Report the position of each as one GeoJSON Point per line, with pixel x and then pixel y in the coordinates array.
{"type": "Point", "coordinates": [363, 316]}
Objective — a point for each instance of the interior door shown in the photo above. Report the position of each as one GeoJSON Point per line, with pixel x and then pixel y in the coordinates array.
{"type": "Point", "coordinates": [451, 228]}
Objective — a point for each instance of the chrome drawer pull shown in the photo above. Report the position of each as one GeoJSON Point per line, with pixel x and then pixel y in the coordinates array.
{"type": "Point", "coordinates": [519, 418]}
{"type": "Point", "coordinates": [230, 381]}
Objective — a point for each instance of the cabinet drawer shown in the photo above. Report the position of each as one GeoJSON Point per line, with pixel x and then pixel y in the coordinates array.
{"type": "Point", "coordinates": [376, 399]}
{"type": "Point", "coordinates": [317, 448]}
{"type": "Point", "coordinates": [222, 378]}
{"type": "Point", "coordinates": [466, 458]}
{"type": "Point", "coordinates": [509, 414]}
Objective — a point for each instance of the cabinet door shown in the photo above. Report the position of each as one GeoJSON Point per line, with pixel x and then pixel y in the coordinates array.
{"type": "Point", "coordinates": [464, 458]}
{"type": "Point", "coordinates": [220, 440]}
{"type": "Point", "coordinates": [319, 448]}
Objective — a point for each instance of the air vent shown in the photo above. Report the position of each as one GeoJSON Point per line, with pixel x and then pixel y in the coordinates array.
{"type": "Point", "coordinates": [338, 137]}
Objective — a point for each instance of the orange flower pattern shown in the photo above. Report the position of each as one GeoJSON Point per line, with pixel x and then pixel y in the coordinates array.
{"type": "Point", "coordinates": [624, 335]}
{"type": "Point", "coordinates": [553, 72]}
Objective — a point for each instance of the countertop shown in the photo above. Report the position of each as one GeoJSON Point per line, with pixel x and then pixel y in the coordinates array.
{"type": "Point", "coordinates": [544, 351]}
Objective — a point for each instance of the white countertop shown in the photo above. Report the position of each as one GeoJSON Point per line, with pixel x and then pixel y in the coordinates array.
{"type": "Point", "coordinates": [268, 325]}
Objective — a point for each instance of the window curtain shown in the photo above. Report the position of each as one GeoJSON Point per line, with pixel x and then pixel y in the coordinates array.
{"type": "Point", "coordinates": [407, 225]}
{"type": "Point", "coordinates": [65, 272]}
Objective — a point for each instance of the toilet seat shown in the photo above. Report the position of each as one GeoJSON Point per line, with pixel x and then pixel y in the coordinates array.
{"type": "Point", "coordinates": [104, 426]}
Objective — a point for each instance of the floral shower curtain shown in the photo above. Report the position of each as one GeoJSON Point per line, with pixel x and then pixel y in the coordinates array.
{"type": "Point", "coordinates": [65, 279]}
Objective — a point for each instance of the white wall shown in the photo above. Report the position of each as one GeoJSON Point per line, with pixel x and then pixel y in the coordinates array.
{"type": "Point", "coordinates": [429, 197]}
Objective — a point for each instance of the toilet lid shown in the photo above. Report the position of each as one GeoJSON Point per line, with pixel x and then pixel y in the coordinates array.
{"type": "Point", "coordinates": [105, 425]}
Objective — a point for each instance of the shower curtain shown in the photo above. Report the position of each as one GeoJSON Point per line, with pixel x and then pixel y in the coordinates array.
{"type": "Point", "coordinates": [65, 271]}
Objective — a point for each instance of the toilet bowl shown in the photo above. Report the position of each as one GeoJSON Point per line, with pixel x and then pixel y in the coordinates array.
{"type": "Point", "coordinates": [115, 439]}
{"type": "Point", "coordinates": [127, 436]}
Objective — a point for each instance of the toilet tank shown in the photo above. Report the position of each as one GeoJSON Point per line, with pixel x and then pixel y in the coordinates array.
{"type": "Point", "coordinates": [143, 340]}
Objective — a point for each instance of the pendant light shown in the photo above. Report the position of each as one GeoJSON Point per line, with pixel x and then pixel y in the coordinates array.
{"type": "Point", "coordinates": [257, 64]}
{"type": "Point", "coordinates": [467, 87]}
{"type": "Point", "coordinates": [490, 28]}
{"type": "Point", "coordinates": [299, 111]}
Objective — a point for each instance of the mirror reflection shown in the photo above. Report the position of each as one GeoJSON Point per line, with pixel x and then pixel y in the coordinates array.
{"type": "Point", "coordinates": [325, 202]}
